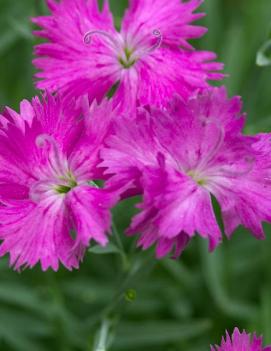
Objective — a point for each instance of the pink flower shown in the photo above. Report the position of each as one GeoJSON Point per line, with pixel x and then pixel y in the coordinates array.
{"type": "Point", "coordinates": [51, 208]}
{"type": "Point", "coordinates": [182, 157]}
{"type": "Point", "coordinates": [150, 57]}
{"type": "Point", "coordinates": [241, 342]}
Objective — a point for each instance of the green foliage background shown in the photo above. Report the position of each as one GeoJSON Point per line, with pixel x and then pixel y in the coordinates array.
{"type": "Point", "coordinates": [123, 299]}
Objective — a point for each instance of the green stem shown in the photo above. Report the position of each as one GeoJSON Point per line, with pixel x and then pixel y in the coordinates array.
{"type": "Point", "coordinates": [108, 316]}
{"type": "Point", "coordinates": [103, 336]}
{"type": "Point", "coordinates": [116, 235]}
{"type": "Point", "coordinates": [135, 269]}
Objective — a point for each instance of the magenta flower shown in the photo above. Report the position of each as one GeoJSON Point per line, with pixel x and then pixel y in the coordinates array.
{"type": "Point", "coordinates": [51, 208]}
{"type": "Point", "coordinates": [185, 155]}
{"type": "Point", "coordinates": [150, 57]}
{"type": "Point", "coordinates": [241, 342]}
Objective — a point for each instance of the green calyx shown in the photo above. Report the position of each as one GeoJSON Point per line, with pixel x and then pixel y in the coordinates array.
{"type": "Point", "coordinates": [127, 62]}
{"type": "Point", "coordinates": [64, 189]}
{"type": "Point", "coordinates": [201, 182]}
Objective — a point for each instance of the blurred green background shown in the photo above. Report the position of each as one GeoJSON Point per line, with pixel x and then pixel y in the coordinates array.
{"type": "Point", "coordinates": [123, 299]}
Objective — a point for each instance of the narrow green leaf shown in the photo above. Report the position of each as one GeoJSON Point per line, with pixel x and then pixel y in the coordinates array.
{"type": "Point", "coordinates": [7, 39]}
{"type": "Point", "coordinates": [158, 333]}
{"type": "Point", "coordinates": [266, 313]}
{"type": "Point", "coordinates": [20, 330]}
{"type": "Point", "coordinates": [22, 27]}
{"type": "Point", "coordinates": [109, 249]}
{"type": "Point", "coordinates": [214, 270]}
{"type": "Point", "coordinates": [264, 55]}
{"type": "Point", "coordinates": [22, 296]}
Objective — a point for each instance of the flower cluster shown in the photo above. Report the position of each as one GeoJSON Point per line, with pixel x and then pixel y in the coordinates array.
{"type": "Point", "coordinates": [164, 133]}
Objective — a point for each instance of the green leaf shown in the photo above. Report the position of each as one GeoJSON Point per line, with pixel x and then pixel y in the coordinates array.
{"type": "Point", "coordinates": [178, 270]}
{"type": "Point", "coordinates": [109, 249]}
{"type": "Point", "coordinates": [22, 27]}
{"type": "Point", "coordinates": [214, 270]}
{"type": "Point", "coordinates": [264, 55]}
{"type": "Point", "coordinates": [158, 333]}
{"type": "Point", "coordinates": [266, 313]}
{"type": "Point", "coordinates": [7, 39]}
{"type": "Point", "coordinates": [20, 330]}
{"type": "Point", "coordinates": [22, 296]}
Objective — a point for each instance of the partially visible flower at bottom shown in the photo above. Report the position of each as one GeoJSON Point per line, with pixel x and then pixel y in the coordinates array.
{"type": "Point", "coordinates": [51, 207]}
{"type": "Point", "coordinates": [241, 342]}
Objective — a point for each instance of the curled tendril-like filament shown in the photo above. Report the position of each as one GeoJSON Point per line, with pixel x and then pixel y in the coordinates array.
{"type": "Point", "coordinates": [158, 35]}
{"type": "Point", "coordinates": [250, 162]}
{"type": "Point", "coordinates": [148, 50]}
{"type": "Point", "coordinates": [88, 36]}
{"type": "Point", "coordinates": [45, 139]}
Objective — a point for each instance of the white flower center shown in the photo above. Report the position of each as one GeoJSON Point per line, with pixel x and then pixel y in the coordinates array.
{"type": "Point", "coordinates": [197, 177]}
{"type": "Point", "coordinates": [126, 55]}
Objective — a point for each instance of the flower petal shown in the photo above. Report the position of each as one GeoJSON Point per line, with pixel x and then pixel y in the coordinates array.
{"type": "Point", "coordinates": [158, 77]}
{"type": "Point", "coordinates": [174, 208]}
{"type": "Point", "coordinates": [67, 61]}
{"type": "Point", "coordinates": [172, 18]}
{"type": "Point", "coordinates": [241, 341]}
{"type": "Point", "coordinates": [89, 210]}
{"type": "Point", "coordinates": [96, 125]}
{"type": "Point", "coordinates": [33, 233]}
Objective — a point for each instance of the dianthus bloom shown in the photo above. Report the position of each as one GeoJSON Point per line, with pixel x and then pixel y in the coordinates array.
{"type": "Point", "coordinates": [51, 206]}
{"type": "Point", "coordinates": [185, 155]}
{"type": "Point", "coordinates": [241, 342]}
{"type": "Point", "coordinates": [150, 57]}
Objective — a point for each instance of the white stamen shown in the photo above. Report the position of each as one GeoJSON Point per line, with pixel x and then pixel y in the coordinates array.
{"type": "Point", "coordinates": [88, 35]}
{"type": "Point", "coordinates": [136, 53]}
{"type": "Point", "coordinates": [159, 36]}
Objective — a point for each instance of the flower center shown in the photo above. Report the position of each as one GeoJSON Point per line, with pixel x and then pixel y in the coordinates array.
{"type": "Point", "coordinates": [127, 60]}
{"type": "Point", "coordinates": [128, 57]}
{"type": "Point", "coordinates": [68, 184]}
{"type": "Point", "coordinates": [198, 178]}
